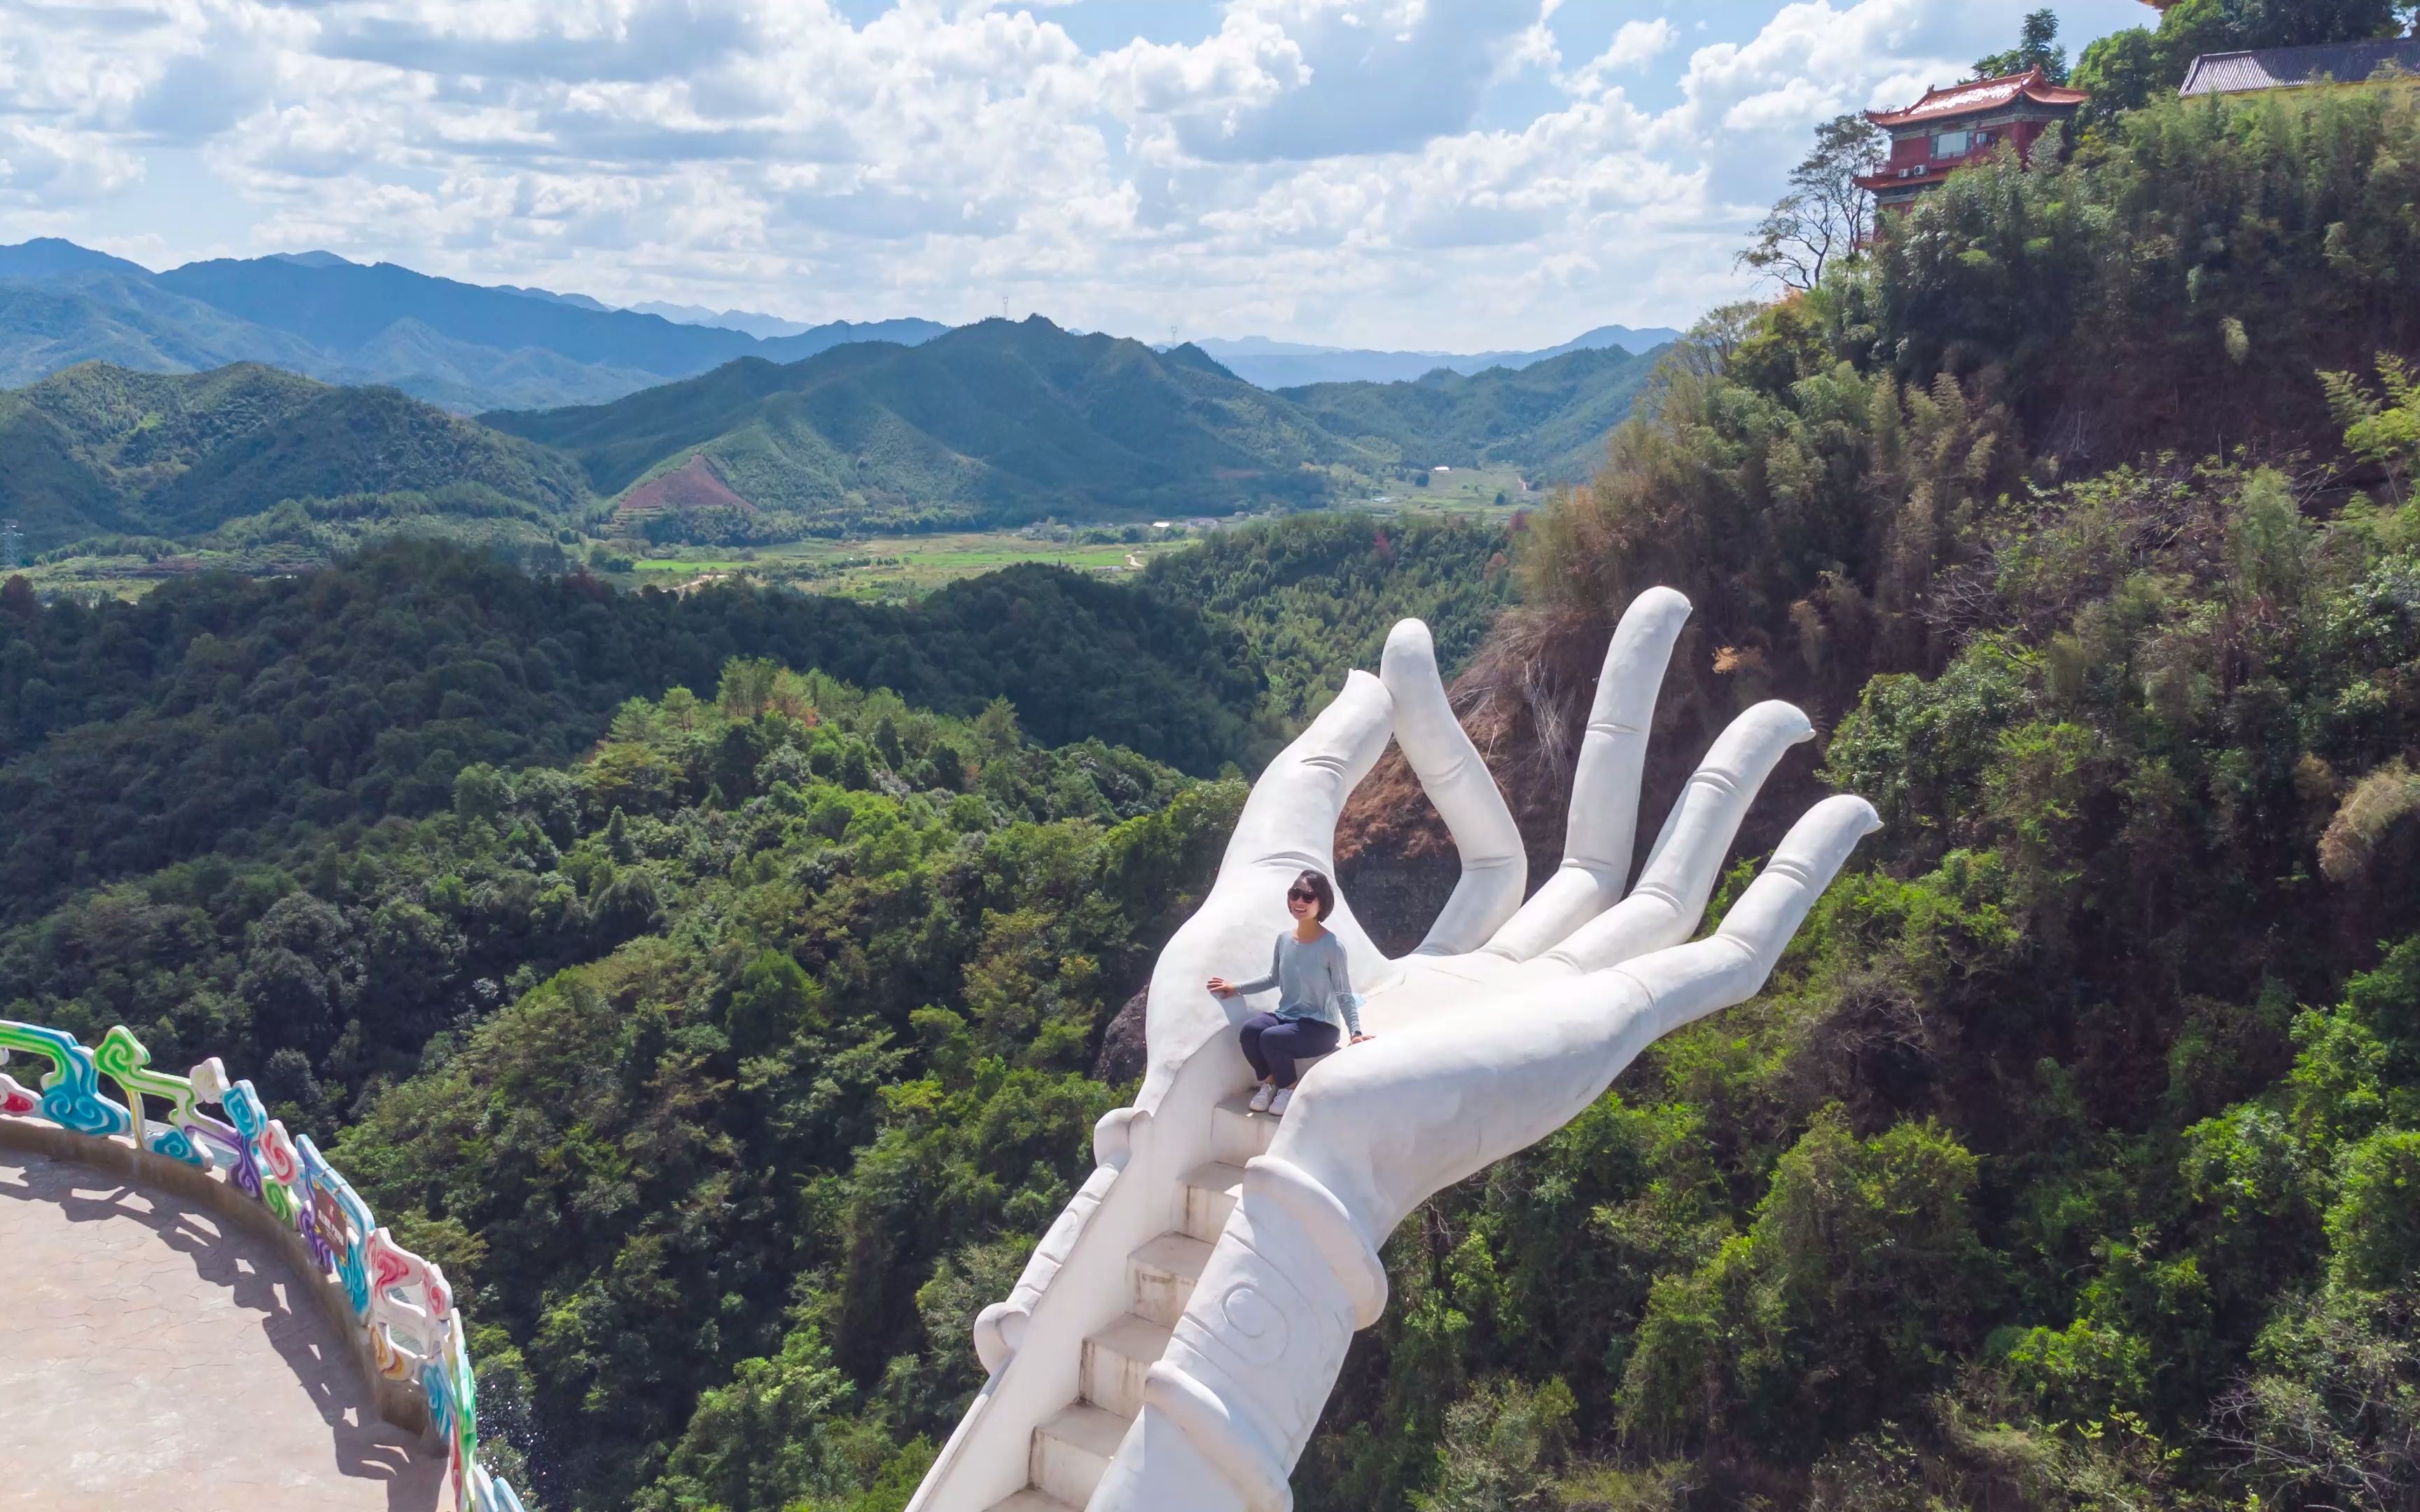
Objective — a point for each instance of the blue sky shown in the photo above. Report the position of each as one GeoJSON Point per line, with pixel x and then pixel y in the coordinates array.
{"type": "Point", "coordinates": [1436, 174]}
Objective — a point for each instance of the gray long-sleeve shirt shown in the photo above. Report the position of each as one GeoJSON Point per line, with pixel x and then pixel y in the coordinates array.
{"type": "Point", "coordinates": [1311, 980]}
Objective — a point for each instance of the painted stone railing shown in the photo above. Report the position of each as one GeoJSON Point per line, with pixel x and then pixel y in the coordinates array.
{"type": "Point", "coordinates": [401, 1303]}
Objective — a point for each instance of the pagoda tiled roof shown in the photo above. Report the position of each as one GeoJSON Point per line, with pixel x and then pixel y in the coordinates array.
{"type": "Point", "coordinates": [1976, 95]}
{"type": "Point", "coordinates": [2284, 68]}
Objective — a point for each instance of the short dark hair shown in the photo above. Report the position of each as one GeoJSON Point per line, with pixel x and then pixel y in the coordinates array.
{"type": "Point", "coordinates": [1319, 889]}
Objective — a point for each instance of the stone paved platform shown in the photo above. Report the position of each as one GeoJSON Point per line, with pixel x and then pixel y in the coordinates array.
{"type": "Point", "coordinates": [151, 1356]}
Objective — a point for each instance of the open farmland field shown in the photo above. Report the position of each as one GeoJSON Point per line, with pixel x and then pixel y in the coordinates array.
{"type": "Point", "coordinates": [1460, 491]}
{"type": "Point", "coordinates": [893, 567]}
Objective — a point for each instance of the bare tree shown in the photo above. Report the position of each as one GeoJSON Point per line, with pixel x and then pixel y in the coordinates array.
{"type": "Point", "coordinates": [1826, 215]}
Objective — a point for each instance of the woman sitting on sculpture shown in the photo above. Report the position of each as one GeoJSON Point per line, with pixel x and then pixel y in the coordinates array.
{"type": "Point", "coordinates": [1315, 993]}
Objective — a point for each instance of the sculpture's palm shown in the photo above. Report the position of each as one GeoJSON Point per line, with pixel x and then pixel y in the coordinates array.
{"type": "Point", "coordinates": [1510, 1019]}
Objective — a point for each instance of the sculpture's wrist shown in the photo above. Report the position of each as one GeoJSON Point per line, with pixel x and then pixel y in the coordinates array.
{"type": "Point", "coordinates": [1262, 1340]}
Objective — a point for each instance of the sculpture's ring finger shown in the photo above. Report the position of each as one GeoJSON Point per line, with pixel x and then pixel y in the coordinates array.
{"type": "Point", "coordinates": [1679, 874]}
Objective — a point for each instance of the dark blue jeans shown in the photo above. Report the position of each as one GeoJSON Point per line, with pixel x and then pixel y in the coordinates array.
{"type": "Point", "coordinates": [1273, 1045]}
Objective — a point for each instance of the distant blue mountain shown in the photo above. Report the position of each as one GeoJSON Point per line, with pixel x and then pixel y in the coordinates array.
{"type": "Point", "coordinates": [464, 346]}
{"type": "Point", "coordinates": [1285, 365]}
{"type": "Point", "coordinates": [755, 322]}
{"type": "Point", "coordinates": [50, 257]}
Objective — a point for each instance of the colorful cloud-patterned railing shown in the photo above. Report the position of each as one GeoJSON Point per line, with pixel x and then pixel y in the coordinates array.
{"type": "Point", "coordinates": [401, 1302]}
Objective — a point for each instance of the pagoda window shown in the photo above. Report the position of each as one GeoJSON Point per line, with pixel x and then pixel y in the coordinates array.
{"type": "Point", "coordinates": [1952, 143]}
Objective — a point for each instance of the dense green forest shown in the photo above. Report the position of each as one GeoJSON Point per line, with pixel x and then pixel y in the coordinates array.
{"type": "Point", "coordinates": [2070, 1159]}
{"type": "Point", "coordinates": [1318, 593]}
{"type": "Point", "coordinates": [732, 1046]}
{"type": "Point", "coordinates": [765, 959]}
{"type": "Point", "coordinates": [100, 450]}
{"type": "Point", "coordinates": [240, 717]}
{"type": "Point", "coordinates": [225, 713]}
{"type": "Point", "coordinates": [947, 910]}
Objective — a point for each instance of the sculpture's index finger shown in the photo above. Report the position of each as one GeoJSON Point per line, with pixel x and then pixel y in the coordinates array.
{"type": "Point", "coordinates": [1292, 813]}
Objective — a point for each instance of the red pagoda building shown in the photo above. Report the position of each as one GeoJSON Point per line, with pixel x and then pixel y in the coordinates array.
{"type": "Point", "coordinates": [1950, 127]}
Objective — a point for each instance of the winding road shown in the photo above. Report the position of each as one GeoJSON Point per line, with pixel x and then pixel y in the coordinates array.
{"type": "Point", "coordinates": [153, 1355]}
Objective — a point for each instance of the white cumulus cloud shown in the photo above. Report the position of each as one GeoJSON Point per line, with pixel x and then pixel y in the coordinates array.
{"type": "Point", "coordinates": [1428, 173]}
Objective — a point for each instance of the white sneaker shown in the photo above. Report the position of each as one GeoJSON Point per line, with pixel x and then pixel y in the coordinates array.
{"type": "Point", "coordinates": [1260, 1102]}
{"type": "Point", "coordinates": [1277, 1103]}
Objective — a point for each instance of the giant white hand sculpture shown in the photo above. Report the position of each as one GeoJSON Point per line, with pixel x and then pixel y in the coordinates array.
{"type": "Point", "coordinates": [1507, 1021]}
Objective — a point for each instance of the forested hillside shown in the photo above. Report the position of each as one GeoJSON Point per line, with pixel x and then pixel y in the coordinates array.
{"type": "Point", "coordinates": [1318, 593]}
{"type": "Point", "coordinates": [101, 450]}
{"type": "Point", "coordinates": [992, 422]}
{"type": "Point", "coordinates": [780, 996]}
{"type": "Point", "coordinates": [421, 823]}
{"type": "Point", "coordinates": [1548, 418]}
{"type": "Point", "coordinates": [2070, 1159]}
{"type": "Point", "coordinates": [220, 713]}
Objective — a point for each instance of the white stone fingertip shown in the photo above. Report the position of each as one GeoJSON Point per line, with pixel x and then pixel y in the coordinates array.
{"type": "Point", "coordinates": [1408, 639]}
{"type": "Point", "coordinates": [1802, 865]}
{"type": "Point", "coordinates": [1294, 805]}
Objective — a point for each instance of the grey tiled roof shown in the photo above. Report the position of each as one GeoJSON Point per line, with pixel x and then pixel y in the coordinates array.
{"type": "Point", "coordinates": [2278, 67]}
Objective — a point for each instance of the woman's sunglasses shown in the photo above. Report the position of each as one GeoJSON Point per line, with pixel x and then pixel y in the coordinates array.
{"type": "Point", "coordinates": [1302, 895]}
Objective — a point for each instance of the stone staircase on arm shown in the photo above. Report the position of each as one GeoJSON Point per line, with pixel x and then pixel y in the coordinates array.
{"type": "Point", "coordinates": [1072, 1449]}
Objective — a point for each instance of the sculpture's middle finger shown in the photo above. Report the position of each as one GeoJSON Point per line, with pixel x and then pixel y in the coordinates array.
{"type": "Point", "coordinates": [1602, 825]}
{"type": "Point", "coordinates": [1663, 910]}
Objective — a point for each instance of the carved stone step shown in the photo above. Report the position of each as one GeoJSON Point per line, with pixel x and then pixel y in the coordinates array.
{"type": "Point", "coordinates": [1211, 1193]}
{"type": "Point", "coordinates": [1237, 1133]}
{"type": "Point", "coordinates": [1072, 1452]}
{"type": "Point", "coordinates": [1114, 1361]}
{"type": "Point", "coordinates": [1161, 1275]}
{"type": "Point", "coordinates": [1030, 1500]}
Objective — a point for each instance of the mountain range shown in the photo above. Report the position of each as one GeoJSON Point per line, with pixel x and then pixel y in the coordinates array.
{"type": "Point", "coordinates": [1284, 365]}
{"type": "Point", "coordinates": [464, 346]}
{"type": "Point", "coordinates": [1005, 421]}
{"type": "Point", "coordinates": [987, 424]}
{"type": "Point", "coordinates": [993, 421]}
{"type": "Point", "coordinates": [469, 347]}
{"type": "Point", "coordinates": [1548, 418]}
